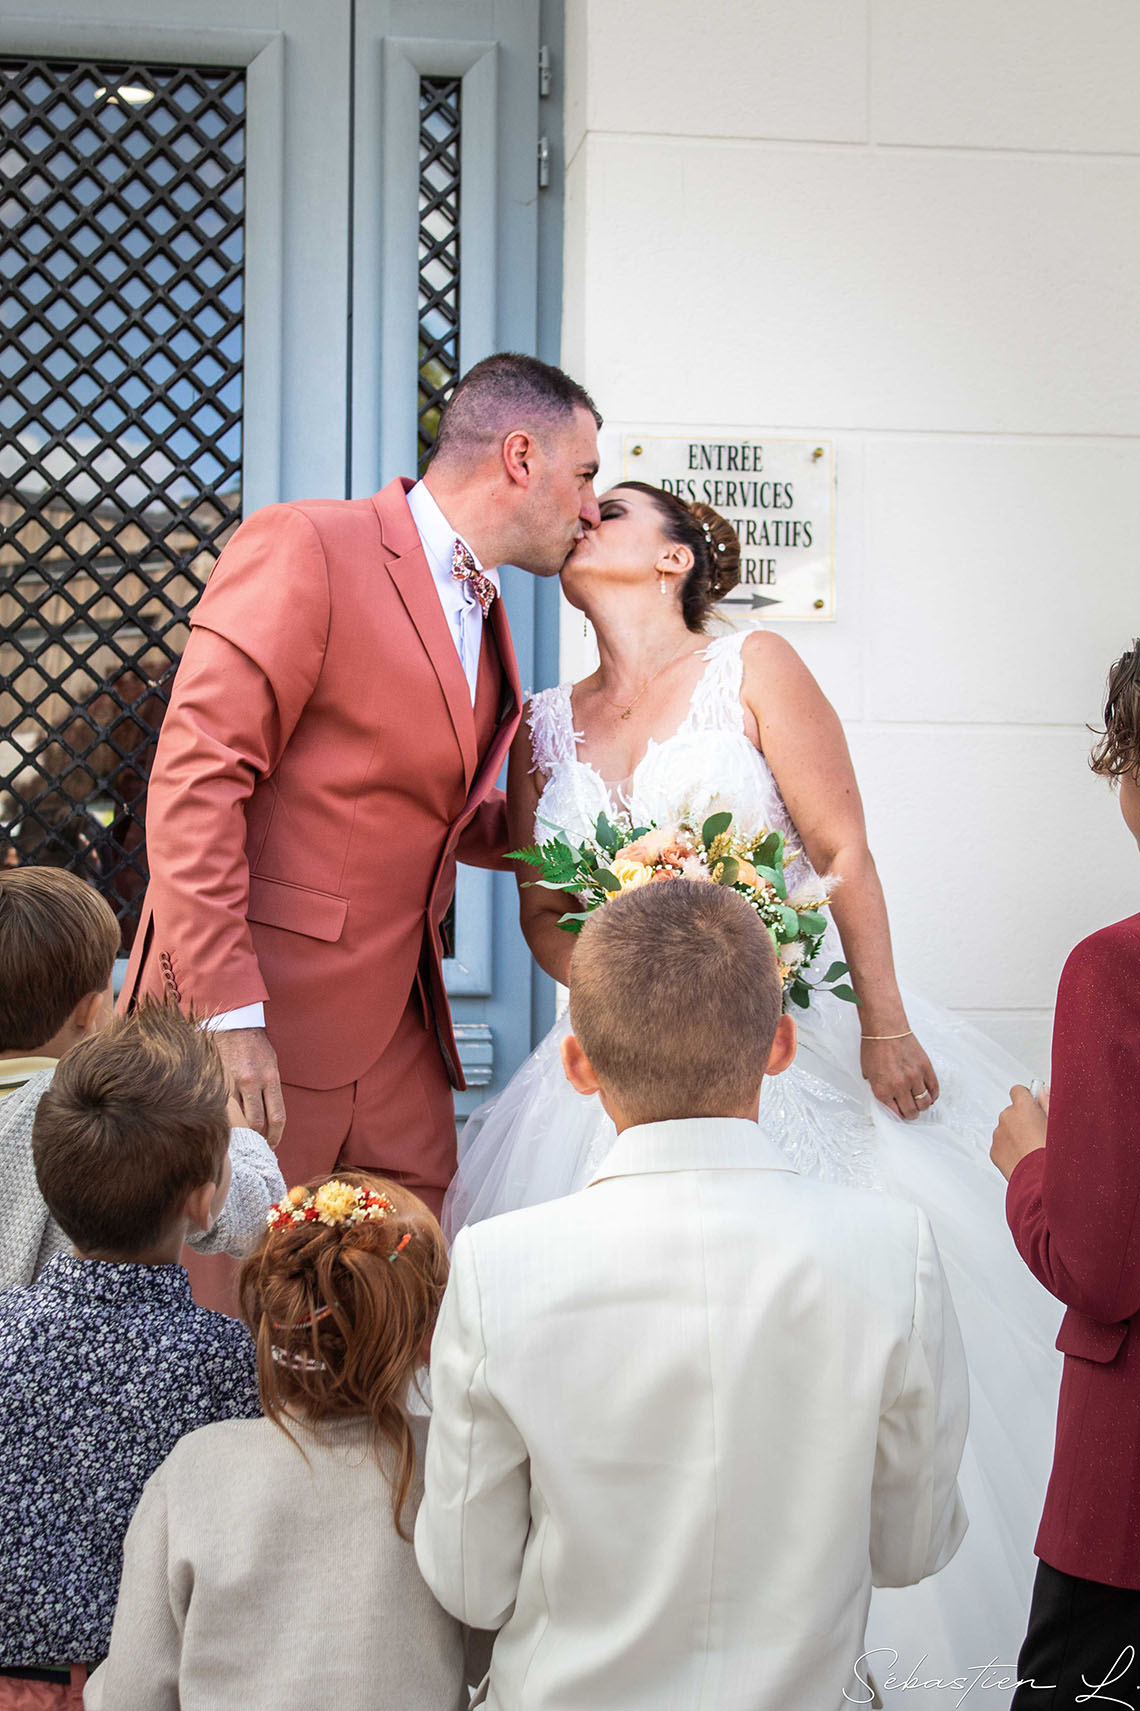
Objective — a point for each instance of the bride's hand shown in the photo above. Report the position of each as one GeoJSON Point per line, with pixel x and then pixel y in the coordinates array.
{"type": "Point", "coordinates": [901, 1075]}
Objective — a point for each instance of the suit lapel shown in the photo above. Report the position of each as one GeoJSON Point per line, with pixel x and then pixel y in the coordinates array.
{"type": "Point", "coordinates": [412, 577]}
{"type": "Point", "coordinates": [501, 631]}
{"type": "Point", "coordinates": [510, 706]}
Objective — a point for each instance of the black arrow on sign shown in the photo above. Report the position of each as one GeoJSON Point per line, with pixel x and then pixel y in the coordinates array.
{"type": "Point", "coordinates": [753, 602]}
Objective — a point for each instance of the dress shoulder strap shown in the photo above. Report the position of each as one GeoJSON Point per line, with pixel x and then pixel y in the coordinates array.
{"type": "Point", "coordinates": [716, 704]}
{"type": "Point", "coordinates": [553, 739]}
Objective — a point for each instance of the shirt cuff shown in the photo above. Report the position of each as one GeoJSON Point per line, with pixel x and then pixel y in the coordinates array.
{"type": "Point", "coordinates": [249, 1016]}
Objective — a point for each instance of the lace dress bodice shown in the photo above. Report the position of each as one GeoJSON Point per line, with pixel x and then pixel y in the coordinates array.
{"type": "Point", "coordinates": [707, 765]}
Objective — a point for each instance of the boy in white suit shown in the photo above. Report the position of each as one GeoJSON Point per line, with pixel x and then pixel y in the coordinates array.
{"type": "Point", "coordinates": [685, 1419]}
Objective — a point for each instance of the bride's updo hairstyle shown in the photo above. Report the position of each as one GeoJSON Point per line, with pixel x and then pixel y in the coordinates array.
{"type": "Point", "coordinates": [1117, 752]}
{"type": "Point", "coordinates": [713, 542]}
{"type": "Point", "coordinates": [340, 1296]}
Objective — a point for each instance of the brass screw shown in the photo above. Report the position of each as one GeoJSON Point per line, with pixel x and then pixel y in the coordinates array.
{"type": "Point", "coordinates": [635, 451]}
{"type": "Point", "coordinates": [819, 604]}
{"type": "Point", "coordinates": [817, 454]}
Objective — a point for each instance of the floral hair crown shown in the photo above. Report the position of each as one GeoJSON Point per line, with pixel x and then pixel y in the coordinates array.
{"type": "Point", "coordinates": [334, 1203]}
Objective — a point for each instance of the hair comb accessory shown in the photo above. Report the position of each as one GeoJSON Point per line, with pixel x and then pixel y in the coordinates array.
{"type": "Point", "coordinates": [296, 1362]}
{"type": "Point", "coordinates": [334, 1203]}
{"type": "Point", "coordinates": [400, 1246]}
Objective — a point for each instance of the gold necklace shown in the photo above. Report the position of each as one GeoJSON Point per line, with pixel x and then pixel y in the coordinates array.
{"type": "Point", "coordinates": [672, 660]}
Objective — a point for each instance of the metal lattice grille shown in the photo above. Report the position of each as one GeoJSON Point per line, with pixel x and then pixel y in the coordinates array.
{"type": "Point", "coordinates": [438, 252]}
{"type": "Point", "coordinates": [120, 467]}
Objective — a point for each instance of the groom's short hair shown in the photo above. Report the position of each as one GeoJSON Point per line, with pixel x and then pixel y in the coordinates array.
{"type": "Point", "coordinates": [502, 394]}
{"type": "Point", "coordinates": [674, 997]}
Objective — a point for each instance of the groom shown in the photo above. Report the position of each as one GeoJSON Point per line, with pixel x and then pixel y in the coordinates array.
{"type": "Point", "coordinates": [342, 709]}
{"type": "Point", "coordinates": [682, 1419]}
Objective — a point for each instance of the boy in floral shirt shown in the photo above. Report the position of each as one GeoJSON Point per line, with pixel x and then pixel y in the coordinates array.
{"type": "Point", "coordinates": [106, 1361]}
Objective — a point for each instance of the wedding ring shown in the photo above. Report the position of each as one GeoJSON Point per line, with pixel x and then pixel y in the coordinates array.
{"type": "Point", "coordinates": [923, 1095]}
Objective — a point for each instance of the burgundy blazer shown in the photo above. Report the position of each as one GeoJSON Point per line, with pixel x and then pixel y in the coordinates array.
{"type": "Point", "coordinates": [317, 777]}
{"type": "Point", "coordinates": [1074, 1209]}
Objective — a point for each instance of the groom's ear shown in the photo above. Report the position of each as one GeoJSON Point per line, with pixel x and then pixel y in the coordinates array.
{"type": "Point", "coordinates": [577, 1066]}
{"type": "Point", "coordinates": [518, 458]}
{"type": "Point", "coordinates": [783, 1046]}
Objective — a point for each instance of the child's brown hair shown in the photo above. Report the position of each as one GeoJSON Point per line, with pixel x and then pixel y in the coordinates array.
{"type": "Point", "coordinates": [134, 1120]}
{"type": "Point", "coordinates": [58, 944]}
{"type": "Point", "coordinates": [341, 1315]}
{"type": "Point", "coordinates": [1117, 752]}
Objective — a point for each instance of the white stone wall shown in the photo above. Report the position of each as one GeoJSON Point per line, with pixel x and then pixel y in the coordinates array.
{"type": "Point", "coordinates": [912, 226]}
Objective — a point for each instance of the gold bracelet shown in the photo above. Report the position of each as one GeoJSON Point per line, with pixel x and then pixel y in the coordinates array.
{"type": "Point", "coordinates": [905, 1036]}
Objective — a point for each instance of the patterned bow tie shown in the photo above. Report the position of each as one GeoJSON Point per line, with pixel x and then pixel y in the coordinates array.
{"type": "Point", "coordinates": [464, 568]}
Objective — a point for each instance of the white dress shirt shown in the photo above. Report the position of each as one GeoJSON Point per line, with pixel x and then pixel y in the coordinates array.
{"type": "Point", "coordinates": [681, 1421]}
{"type": "Point", "coordinates": [464, 617]}
{"type": "Point", "coordinates": [461, 608]}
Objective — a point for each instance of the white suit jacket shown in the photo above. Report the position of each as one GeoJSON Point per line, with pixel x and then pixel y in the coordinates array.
{"type": "Point", "coordinates": [682, 1421]}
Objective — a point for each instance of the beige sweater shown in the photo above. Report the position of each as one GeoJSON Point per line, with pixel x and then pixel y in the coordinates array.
{"type": "Point", "coordinates": [255, 1580]}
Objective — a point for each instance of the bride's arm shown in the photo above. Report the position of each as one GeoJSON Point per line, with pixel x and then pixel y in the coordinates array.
{"type": "Point", "coordinates": [539, 910]}
{"type": "Point", "coordinates": [803, 742]}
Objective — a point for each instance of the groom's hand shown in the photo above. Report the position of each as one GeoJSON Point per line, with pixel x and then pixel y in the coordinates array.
{"type": "Point", "coordinates": [1020, 1131]}
{"type": "Point", "coordinates": [251, 1065]}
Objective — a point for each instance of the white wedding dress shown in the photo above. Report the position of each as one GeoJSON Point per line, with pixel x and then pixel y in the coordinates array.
{"type": "Point", "coordinates": [540, 1139]}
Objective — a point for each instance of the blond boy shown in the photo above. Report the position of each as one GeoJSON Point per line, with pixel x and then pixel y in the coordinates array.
{"type": "Point", "coordinates": [684, 1418]}
{"type": "Point", "coordinates": [58, 943]}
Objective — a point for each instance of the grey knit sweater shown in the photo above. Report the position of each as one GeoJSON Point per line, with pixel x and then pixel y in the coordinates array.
{"type": "Point", "coordinates": [29, 1235]}
{"type": "Point", "coordinates": [258, 1574]}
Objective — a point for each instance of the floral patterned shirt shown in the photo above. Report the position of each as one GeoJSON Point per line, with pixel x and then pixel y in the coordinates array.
{"type": "Point", "coordinates": [102, 1369]}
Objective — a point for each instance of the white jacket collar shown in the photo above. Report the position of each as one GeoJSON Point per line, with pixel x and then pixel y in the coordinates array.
{"type": "Point", "coordinates": [692, 1143]}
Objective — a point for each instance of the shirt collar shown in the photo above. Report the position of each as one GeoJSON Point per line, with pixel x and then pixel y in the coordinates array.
{"type": "Point", "coordinates": [692, 1143]}
{"type": "Point", "coordinates": [82, 1280]}
{"type": "Point", "coordinates": [438, 537]}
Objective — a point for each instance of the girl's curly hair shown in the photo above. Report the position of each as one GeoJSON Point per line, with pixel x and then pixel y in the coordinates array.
{"type": "Point", "coordinates": [1117, 751]}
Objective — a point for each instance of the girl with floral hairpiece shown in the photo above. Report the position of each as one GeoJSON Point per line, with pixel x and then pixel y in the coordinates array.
{"type": "Point", "coordinates": [276, 1553]}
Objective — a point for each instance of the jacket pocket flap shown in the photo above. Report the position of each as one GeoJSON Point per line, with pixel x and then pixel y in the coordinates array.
{"type": "Point", "coordinates": [1089, 1339]}
{"type": "Point", "coordinates": [317, 914]}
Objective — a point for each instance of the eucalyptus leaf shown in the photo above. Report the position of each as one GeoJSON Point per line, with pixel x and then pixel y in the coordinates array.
{"type": "Point", "coordinates": [812, 923]}
{"type": "Point", "coordinates": [727, 870]}
{"type": "Point", "coordinates": [769, 851]}
{"type": "Point", "coordinates": [714, 826]}
{"type": "Point", "coordinates": [607, 880]}
{"type": "Point", "coordinates": [791, 923]}
{"type": "Point", "coordinates": [800, 994]}
{"type": "Point", "coordinates": [606, 835]}
{"type": "Point", "coordinates": [834, 972]}
{"type": "Point", "coordinates": [845, 993]}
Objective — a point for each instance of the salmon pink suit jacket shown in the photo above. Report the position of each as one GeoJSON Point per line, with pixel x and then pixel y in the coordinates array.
{"type": "Point", "coordinates": [319, 772]}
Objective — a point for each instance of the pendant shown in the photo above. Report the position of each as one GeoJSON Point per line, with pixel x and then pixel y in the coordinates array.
{"type": "Point", "coordinates": [627, 712]}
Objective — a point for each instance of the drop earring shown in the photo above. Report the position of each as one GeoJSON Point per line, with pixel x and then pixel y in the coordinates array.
{"type": "Point", "coordinates": [585, 628]}
{"type": "Point", "coordinates": [662, 586]}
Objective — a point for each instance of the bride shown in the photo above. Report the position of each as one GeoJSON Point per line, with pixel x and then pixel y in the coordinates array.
{"type": "Point", "coordinates": [674, 726]}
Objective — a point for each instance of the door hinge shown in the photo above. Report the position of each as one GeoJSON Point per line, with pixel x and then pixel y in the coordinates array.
{"type": "Point", "coordinates": [543, 163]}
{"type": "Point", "coordinates": [545, 74]}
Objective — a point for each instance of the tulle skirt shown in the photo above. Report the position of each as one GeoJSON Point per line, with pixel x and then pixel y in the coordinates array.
{"type": "Point", "coordinates": [539, 1139]}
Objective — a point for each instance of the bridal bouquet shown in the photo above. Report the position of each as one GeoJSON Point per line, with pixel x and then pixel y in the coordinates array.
{"type": "Point", "coordinates": [622, 856]}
